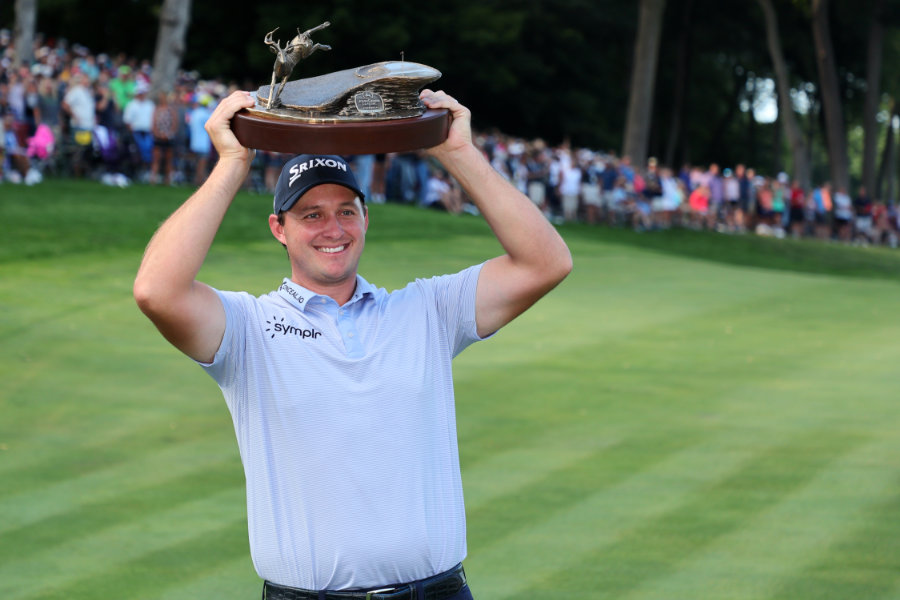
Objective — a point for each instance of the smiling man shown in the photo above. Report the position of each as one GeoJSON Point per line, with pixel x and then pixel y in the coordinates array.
{"type": "Point", "coordinates": [320, 218]}
{"type": "Point", "coordinates": [341, 393]}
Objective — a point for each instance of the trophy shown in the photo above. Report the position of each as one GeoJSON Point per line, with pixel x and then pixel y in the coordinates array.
{"type": "Point", "coordinates": [371, 109]}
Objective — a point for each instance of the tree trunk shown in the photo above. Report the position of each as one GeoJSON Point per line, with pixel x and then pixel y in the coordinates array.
{"type": "Point", "coordinates": [835, 134]}
{"type": "Point", "coordinates": [786, 116]}
{"type": "Point", "coordinates": [26, 18]}
{"type": "Point", "coordinates": [170, 44]}
{"type": "Point", "coordinates": [682, 69]}
{"type": "Point", "coordinates": [873, 95]}
{"type": "Point", "coordinates": [890, 195]}
{"type": "Point", "coordinates": [886, 171]}
{"type": "Point", "coordinates": [643, 80]}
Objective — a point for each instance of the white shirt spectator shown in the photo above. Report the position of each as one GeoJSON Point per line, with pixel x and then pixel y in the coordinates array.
{"type": "Point", "coordinates": [570, 184]}
{"type": "Point", "coordinates": [139, 114]}
{"type": "Point", "coordinates": [81, 106]}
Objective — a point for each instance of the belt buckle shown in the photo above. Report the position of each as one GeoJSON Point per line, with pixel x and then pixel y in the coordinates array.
{"type": "Point", "coordinates": [381, 591]}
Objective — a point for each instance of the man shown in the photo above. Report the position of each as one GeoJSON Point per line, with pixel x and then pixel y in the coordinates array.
{"type": "Point", "coordinates": [79, 105]}
{"type": "Point", "coordinates": [198, 138]}
{"type": "Point", "coordinates": [138, 117]}
{"type": "Point", "coordinates": [341, 393]}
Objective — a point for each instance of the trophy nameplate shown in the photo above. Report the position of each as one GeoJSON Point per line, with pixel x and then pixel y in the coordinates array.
{"type": "Point", "coordinates": [371, 109]}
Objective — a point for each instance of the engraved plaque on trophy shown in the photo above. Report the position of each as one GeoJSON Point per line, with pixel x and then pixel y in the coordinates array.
{"type": "Point", "coordinates": [364, 110]}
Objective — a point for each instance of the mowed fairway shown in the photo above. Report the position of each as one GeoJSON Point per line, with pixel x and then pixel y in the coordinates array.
{"type": "Point", "coordinates": [663, 425]}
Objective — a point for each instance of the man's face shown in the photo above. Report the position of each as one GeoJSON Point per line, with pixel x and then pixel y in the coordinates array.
{"type": "Point", "coordinates": [324, 232]}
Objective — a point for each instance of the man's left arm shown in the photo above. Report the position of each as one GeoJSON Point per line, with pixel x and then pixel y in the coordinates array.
{"type": "Point", "coordinates": [536, 257]}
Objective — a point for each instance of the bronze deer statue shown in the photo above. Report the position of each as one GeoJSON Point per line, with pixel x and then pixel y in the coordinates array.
{"type": "Point", "coordinates": [287, 58]}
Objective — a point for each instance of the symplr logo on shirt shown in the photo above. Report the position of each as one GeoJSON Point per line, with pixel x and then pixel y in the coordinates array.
{"type": "Point", "coordinates": [277, 326]}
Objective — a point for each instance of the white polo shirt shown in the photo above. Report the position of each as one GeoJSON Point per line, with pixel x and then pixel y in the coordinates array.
{"type": "Point", "coordinates": [346, 426]}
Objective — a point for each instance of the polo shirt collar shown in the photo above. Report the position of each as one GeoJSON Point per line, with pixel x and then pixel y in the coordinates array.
{"type": "Point", "coordinates": [298, 296]}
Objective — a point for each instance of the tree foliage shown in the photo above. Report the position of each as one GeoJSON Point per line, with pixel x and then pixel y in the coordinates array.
{"type": "Point", "coordinates": [555, 69]}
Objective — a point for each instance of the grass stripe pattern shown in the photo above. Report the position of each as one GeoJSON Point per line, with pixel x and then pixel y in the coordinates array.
{"type": "Point", "coordinates": [689, 415]}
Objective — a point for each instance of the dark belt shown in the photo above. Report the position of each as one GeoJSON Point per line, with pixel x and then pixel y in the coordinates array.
{"type": "Point", "coordinates": [439, 587]}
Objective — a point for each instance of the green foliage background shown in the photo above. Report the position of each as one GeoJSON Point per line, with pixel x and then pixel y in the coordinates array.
{"type": "Point", "coordinates": [555, 69]}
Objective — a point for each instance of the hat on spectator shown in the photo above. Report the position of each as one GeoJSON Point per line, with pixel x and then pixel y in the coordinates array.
{"type": "Point", "coordinates": [304, 172]}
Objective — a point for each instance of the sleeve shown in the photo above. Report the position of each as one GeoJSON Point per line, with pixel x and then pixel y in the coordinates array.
{"type": "Point", "coordinates": [454, 300]}
{"type": "Point", "coordinates": [225, 363]}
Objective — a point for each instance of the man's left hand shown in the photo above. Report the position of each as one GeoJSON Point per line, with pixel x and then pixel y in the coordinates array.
{"type": "Point", "coordinates": [460, 136]}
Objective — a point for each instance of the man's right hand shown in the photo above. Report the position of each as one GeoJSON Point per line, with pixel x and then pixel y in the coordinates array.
{"type": "Point", "coordinates": [219, 128]}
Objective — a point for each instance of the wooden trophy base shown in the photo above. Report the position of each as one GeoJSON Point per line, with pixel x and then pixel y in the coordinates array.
{"type": "Point", "coordinates": [293, 136]}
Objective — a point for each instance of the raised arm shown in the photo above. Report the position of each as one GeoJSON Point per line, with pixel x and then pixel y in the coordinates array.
{"type": "Point", "coordinates": [536, 257]}
{"type": "Point", "coordinates": [189, 313]}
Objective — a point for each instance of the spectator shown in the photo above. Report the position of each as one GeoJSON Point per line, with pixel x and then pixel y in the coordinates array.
{"type": "Point", "coordinates": [363, 165]}
{"type": "Point", "coordinates": [753, 182]}
{"type": "Point", "coordinates": [609, 178]}
{"type": "Point", "coordinates": [108, 115]}
{"type": "Point", "coordinates": [822, 199]}
{"type": "Point", "coordinates": [518, 169]}
{"type": "Point", "coordinates": [699, 205]}
{"type": "Point", "coordinates": [199, 142]}
{"type": "Point", "coordinates": [716, 194]}
{"type": "Point", "coordinates": [123, 87]}
{"type": "Point", "coordinates": [79, 105]}
{"type": "Point", "coordinates": [441, 193]}
{"type": "Point", "coordinates": [653, 190]}
{"type": "Point", "coordinates": [538, 174]}
{"type": "Point", "coordinates": [764, 202]}
{"type": "Point", "coordinates": [843, 215]}
{"type": "Point", "coordinates": [554, 178]}
{"type": "Point", "coordinates": [165, 128]}
{"type": "Point", "coordinates": [272, 163]}
{"type": "Point", "coordinates": [745, 187]}
{"type": "Point", "coordinates": [882, 232]}
{"type": "Point", "coordinates": [42, 144]}
{"type": "Point", "coordinates": [591, 193]}
{"type": "Point", "coordinates": [672, 197]}
{"type": "Point", "coordinates": [797, 205]}
{"type": "Point", "coordinates": [778, 206]}
{"type": "Point", "coordinates": [862, 206]}
{"type": "Point", "coordinates": [32, 109]}
{"type": "Point", "coordinates": [15, 95]}
{"type": "Point", "coordinates": [731, 194]}
{"type": "Point", "coordinates": [569, 186]}
{"type": "Point", "coordinates": [138, 118]}
{"type": "Point", "coordinates": [48, 105]}
{"type": "Point", "coordinates": [379, 172]}
{"type": "Point", "coordinates": [16, 165]}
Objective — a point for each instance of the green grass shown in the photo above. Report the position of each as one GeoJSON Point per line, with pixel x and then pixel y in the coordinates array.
{"type": "Point", "coordinates": [687, 416]}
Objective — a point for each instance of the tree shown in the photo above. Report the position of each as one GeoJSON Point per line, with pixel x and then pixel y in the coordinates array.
{"type": "Point", "coordinates": [835, 134]}
{"type": "Point", "coordinates": [26, 18]}
{"type": "Point", "coordinates": [170, 44]}
{"type": "Point", "coordinates": [643, 80]}
{"type": "Point", "coordinates": [682, 76]}
{"type": "Point", "coordinates": [874, 61]}
{"type": "Point", "coordinates": [791, 128]}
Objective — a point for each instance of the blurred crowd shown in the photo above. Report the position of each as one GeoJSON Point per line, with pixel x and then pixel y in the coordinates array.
{"type": "Point", "coordinates": [73, 113]}
{"type": "Point", "coordinates": [592, 187]}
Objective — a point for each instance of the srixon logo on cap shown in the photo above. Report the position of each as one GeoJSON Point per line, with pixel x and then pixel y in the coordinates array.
{"type": "Point", "coordinates": [297, 170]}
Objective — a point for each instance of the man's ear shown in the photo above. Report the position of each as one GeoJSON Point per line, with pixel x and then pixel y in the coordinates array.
{"type": "Point", "coordinates": [277, 228]}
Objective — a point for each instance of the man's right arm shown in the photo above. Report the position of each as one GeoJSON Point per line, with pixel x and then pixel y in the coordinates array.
{"type": "Point", "coordinates": [189, 313]}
